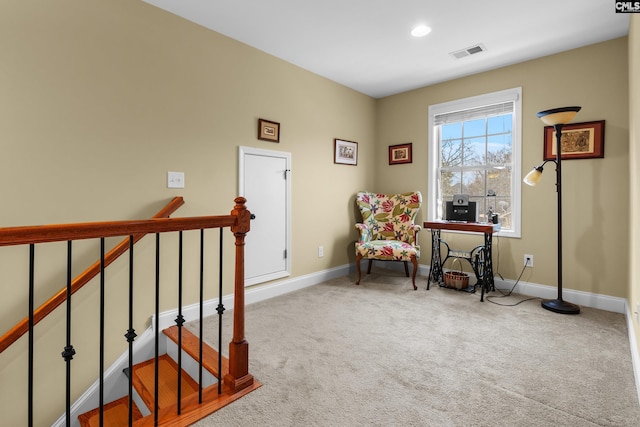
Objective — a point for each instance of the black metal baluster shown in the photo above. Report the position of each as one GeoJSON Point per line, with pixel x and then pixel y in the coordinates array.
{"type": "Point", "coordinates": [220, 310]}
{"type": "Point", "coordinates": [31, 323]}
{"type": "Point", "coordinates": [201, 315]}
{"type": "Point", "coordinates": [157, 333]}
{"type": "Point", "coordinates": [131, 333]}
{"type": "Point", "coordinates": [69, 351]}
{"type": "Point", "coordinates": [102, 267]}
{"type": "Point", "coordinates": [179, 323]}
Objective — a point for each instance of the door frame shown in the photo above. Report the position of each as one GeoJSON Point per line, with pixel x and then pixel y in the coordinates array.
{"type": "Point", "coordinates": [242, 152]}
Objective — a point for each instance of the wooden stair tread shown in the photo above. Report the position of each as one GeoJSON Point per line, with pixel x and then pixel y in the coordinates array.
{"type": "Point", "coordinates": [191, 343]}
{"type": "Point", "coordinates": [143, 375]}
{"type": "Point", "coordinates": [115, 414]}
{"type": "Point", "coordinates": [144, 382]}
{"type": "Point", "coordinates": [192, 410]}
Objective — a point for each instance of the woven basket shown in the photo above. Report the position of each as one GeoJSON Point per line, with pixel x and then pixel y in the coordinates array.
{"type": "Point", "coordinates": [456, 279]}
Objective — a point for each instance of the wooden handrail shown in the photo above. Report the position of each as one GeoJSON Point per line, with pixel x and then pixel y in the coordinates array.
{"type": "Point", "coordinates": [237, 380]}
{"type": "Point", "coordinates": [20, 235]}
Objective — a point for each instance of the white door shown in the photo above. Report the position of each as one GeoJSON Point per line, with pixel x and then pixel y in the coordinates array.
{"type": "Point", "coordinates": [265, 181]}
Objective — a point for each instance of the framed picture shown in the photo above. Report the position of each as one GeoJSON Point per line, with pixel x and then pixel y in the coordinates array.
{"type": "Point", "coordinates": [345, 152]}
{"type": "Point", "coordinates": [268, 131]}
{"type": "Point", "coordinates": [578, 141]}
{"type": "Point", "coordinates": [400, 153]}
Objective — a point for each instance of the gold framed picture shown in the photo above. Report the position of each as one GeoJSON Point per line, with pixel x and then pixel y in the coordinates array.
{"type": "Point", "coordinates": [268, 130]}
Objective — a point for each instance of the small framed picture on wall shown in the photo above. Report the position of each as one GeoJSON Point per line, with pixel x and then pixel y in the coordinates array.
{"type": "Point", "coordinates": [400, 153]}
{"type": "Point", "coordinates": [577, 141]}
{"type": "Point", "coordinates": [345, 152]}
{"type": "Point", "coordinates": [268, 130]}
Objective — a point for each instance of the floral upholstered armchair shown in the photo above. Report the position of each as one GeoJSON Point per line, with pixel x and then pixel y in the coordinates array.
{"type": "Point", "coordinates": [387, 231]}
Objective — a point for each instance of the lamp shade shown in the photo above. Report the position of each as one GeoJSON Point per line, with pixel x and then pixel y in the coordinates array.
{"type": "Point", "coordinates": [533, 177]}
{"type": "Point", "coordinates": [558, 116]}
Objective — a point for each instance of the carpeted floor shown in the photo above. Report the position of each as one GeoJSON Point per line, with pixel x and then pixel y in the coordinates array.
{"type": "Point", "coordinates": [381, 354]}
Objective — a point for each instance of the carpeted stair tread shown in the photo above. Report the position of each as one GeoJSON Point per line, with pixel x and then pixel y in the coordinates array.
{"type": "Point", "coordinates": [116, 414]}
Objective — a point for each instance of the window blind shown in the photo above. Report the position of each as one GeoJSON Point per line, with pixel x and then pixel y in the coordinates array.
{"type": "Point", "coordinates": [474, 113]}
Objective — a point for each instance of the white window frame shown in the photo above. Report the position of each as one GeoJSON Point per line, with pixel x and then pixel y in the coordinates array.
{"type": "Point", "coordinates": [514, 94]}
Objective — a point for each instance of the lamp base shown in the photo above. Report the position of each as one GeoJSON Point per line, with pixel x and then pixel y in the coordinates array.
{"type": "Point", "coordinates": [560, 306]}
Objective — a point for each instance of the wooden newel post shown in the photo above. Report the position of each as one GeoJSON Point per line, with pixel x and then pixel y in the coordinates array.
{"type": "Point", "coordinates": [238, 376]}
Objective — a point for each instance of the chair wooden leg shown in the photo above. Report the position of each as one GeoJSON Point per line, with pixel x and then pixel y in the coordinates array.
{"type": "Point", "coordinates": [369, 268]}
{"type": "Point", "coordinates": [406, 268]}
{"type": "Point", "coordinates": [414, 261]}
{"type": "Point", "coordinates": [358, 259]}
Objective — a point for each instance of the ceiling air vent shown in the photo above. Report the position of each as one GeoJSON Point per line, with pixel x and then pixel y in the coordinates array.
{"type": "Point", "coordinates": [468, 51]}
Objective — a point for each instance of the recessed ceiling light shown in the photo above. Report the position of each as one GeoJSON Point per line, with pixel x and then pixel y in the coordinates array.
{"type": "Point", "coordinates": [420, 31]}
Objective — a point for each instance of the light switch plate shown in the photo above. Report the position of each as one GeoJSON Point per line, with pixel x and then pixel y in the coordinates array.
{"type": "Point", "coordinates": [175, 179]}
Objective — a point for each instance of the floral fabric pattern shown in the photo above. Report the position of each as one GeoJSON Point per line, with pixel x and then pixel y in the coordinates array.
{"type": "Point", "coordinates": [387, 231]}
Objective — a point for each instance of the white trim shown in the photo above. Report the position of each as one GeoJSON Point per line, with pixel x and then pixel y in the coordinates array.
{"type": "Point", "coordinates": [253, 295]}
{"type": "Point", "coordinates": [242, 151]}
{"type": "Point", "coordinates": [514, 94]}
{"type": "Point", "coordinates": [585, 299]}
{"type": "Point", "coordinates": [262, 293]}
{"type": "Point", "coordinates": [143, 351]}
{"type": "Point", "coordinates": [635, 356]}
{"type": "Point", "coordinates": [113, 389]}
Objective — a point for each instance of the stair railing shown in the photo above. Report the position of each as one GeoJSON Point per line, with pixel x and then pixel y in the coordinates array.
{"type": "Point", "coordinates": [235, 380]}
{"type": "Point", "coordinates": [21, 328]}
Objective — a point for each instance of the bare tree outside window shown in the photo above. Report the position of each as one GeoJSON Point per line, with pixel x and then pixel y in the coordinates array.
{"type": "Point", "coordinates": [474, 148]}
{"type": "Point", "coordinates": [476, 160]}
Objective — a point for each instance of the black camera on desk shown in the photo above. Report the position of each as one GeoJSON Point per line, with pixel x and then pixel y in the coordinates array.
{"type": "Point", "coordinates": [460, 209]}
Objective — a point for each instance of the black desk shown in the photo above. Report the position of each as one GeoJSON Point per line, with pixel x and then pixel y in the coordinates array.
{"type": "Point", "coordinates": [482, 264]}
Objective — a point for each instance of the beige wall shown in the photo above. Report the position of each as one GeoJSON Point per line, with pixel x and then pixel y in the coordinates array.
{"type": "Point", "coordinates": [100, 99]}
{"type": "Point", "coordinates": [595, 205]}
{"type": "Point", "coordinates": [634, 179]}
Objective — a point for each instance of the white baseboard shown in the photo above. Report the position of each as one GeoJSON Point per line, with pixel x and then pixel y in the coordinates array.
{"type": "Point", "coordinates": [264, 292]}
{"type": "Point", "coordinates": [252, 295]}
{"type": "Point", "coordinates": [143, 350]}
{"type": "Point", "coordinates": [585, 299]}
{"type": "Point", "coordinates": [635, 356]}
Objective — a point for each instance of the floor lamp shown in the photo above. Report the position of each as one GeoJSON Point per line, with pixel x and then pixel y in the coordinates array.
{"type": "Point", "coordinates": [556, 117]}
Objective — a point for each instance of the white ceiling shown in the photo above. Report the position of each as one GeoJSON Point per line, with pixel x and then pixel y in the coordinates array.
{"type": "Point", "coordinates": [366, 45]}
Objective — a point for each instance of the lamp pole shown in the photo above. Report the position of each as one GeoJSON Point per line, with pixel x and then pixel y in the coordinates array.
{"type": "Point", "coordinates": [558, 305]}
{"type": "Point", "coordinates": [556, 117]}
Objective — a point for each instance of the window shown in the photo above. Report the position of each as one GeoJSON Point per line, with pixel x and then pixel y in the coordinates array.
{"type": "Point", "coordinates": [474, 149]}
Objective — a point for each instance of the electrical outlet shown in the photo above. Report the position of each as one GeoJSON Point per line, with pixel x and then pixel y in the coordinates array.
{"type": "Point", "coordinates": [527, 260]}
{"type": "Point", "coordinates": [320, 251]}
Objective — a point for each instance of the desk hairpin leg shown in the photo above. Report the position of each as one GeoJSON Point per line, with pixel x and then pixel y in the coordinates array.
{"type": "Point", "coordinates": [435, 270]}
